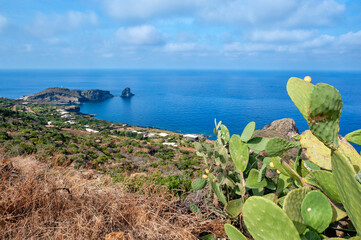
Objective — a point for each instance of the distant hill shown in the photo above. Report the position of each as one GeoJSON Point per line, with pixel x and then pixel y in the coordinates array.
{"type": "Point", "coordinates": [61, 96]}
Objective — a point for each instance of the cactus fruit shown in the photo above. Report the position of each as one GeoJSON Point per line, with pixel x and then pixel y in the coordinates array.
{"type": "Point", "coordinates": [265, 220]}
{"type": "Point", "coordinates": [233, 233]}
{"type": "Point", "coordinates": [315, 150]}
{"type": "Point", "coordinates": [349, 189]}
{"type": "Point", "coordinates": [354, 137]}
{"type": "Point", "coordinates": [239, 152]}
{"type": "Point", "coordinates": [292, 207]}
{"type": "Point", "coordinates": [277, 146]}
{"type": "Point", "coordinates": [324, 113]}
{"type": "Point", "coordinates": [316, 211]}
{"type": "Point", "coordinates": [308, 79]}
{"type": "Point", "coordinates": [199, 184]}
{"type": "Point", "coordinates": [325, 182]}
{"type": "Point", "coordinates": [248, 131]}
{"type": "Point", "coordinates": [234, 207]}
{"type": "Point", "coordinates": [252, 180]}
{"type": "Point", "coordinates": [300, 92]}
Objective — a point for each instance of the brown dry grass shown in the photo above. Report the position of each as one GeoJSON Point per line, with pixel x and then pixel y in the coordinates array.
{"type": "Point", "coordinates": [45, 203]}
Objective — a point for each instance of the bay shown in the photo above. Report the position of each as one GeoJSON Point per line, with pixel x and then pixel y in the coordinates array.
{"type": "Point", "coordinates": [190, 100]}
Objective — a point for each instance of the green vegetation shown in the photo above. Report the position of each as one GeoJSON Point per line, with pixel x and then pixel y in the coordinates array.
{"type": "Point", "coordinates": [65, 138]}
{"type": "Point", "coordinates": [307, 198]}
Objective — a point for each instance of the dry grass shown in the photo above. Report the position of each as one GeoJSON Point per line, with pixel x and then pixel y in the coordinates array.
{"type": "Point", "coordinates": [44, 203]}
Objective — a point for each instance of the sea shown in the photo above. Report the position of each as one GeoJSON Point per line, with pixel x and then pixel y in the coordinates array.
{"type": "Point", "coordinates": [189, 101]}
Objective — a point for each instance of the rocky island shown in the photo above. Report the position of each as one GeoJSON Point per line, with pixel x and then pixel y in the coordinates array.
{"type": "Point", "coordinates": [64, 96]}
{"type": "Point", "coordinates": [126, 93]}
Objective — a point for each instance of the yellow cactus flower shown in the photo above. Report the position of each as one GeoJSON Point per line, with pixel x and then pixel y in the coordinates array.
{"type": "Point", "coordinates": [271, 165]}
{"type": "Point", "coordinates": [205, 176]}
{"type": "Point", "coordinates": [278, 172]}
{"type": "Point", "coordinates": [207, 171]}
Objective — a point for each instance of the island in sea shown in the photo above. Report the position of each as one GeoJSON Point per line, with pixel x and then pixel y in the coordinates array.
{"type": "Point", "coordinates": [64, 96]}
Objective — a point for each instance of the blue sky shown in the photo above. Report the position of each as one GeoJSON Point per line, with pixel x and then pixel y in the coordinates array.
{"type": "Point", "coordinates": [181, 34]}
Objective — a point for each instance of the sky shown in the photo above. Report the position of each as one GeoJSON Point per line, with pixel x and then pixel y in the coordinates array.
{"type": "Point", "coordinates": [181, 34]}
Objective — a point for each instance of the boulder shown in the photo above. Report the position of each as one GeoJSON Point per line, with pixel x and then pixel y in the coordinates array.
{"type": "Point", "coordinates": [283, 128]}
{"type": "Point", "coordinates": [127, 93]}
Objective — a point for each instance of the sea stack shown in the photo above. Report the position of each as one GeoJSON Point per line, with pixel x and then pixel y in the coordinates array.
{"type": "Point", "coordinates": [126, 93]}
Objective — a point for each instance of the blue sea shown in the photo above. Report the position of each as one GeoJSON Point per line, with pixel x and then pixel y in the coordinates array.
{"type": "Point", "coordinates": [188, 100]}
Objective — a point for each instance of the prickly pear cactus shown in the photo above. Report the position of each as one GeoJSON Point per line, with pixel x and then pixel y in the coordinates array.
{"type": "Point", "coordinates": [239, 152]}
{"type": "Point", "coordinates": [354, 137]}
{"type": "Point", "coordinates": [316, 211]}
{"type": "Point", "coordinates": [233, 233]}
{"type": "Point", "coordinates": [234, 207]}
{"type": "Point", "coordinates": [248, 131]}
{"type": "Point", "coordinates": [277, 146]}
{"type": "Point", "coordinates": [324, 181]}
{"type": "Point", "coordinates": [348, 187]}
{"type": "Point", "coordinates": [300, 92]}
{"type": "Point", "coordinates": [199, 184]}
{"type": "Point", "coordinates": [348, 151]}
{"type": "Point", "coordinates": [258, 144]}
{"type": "Point", "coordinates": [216, 188]}
{"type": "Point", "coordinates": [252, 180]}
{"type": "Point", "coordinates": [265, 220]}
{"type": "Point", "coordinates": [324, 114]}
{"type": "Point", "coordinates": [315, 150]}
{"type": "Point", "coordinates": [292, 207]}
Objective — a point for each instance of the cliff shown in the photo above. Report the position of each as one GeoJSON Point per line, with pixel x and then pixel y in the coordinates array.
{"type": "Point", "coordinates": [62, 96]}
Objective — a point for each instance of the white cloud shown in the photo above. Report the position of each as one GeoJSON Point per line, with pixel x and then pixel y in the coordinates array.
{"type": "Point", "coordinates": [50, 24]}
{"type": "Point", "coordinates": [3, 23]}
{"type": "Point", "coordinates": [179, 47]}
{"type": "Point", "coordinates": [351, 38]}
{"type": "Point", "coordinates": [144, 9]}
{"type": "Point", "coordinates": [281, 35]}
{"type": "Point", "coordinates": [28, 48]}
{"type": "Point", "coordinates": [140, 35]}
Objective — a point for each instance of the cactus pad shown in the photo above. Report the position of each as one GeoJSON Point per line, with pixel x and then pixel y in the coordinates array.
{"type": "Point", "coordinates": [265, 220]}
{"type": "Point", "coordinates": [292, 207]}
{"type": "Point", "coordinates": [258, 144]}
{"type": "Point", "coordinates": [324, 181]}
{"type": "Point", "coordinates": [315, 150]}
{"type": "Point", "coordinates": [225, 133]}
{"type": "Point", "coordinates": [348, 187]}
{"type": "Point", "coordinates": [316, 211]}
{"type": "Point", "coordinates": [300, 92]}
{"type": "Point", "coordinates": [277, 146]}
{"type": "Point", "coordinates": [324, 114]}
{"type": "Point", "coordinates": [348, 151]}
{"type": "Point", "coordinates": [252, 180]}
{"type": "Point", "coordinates": [354, 137]}
{"type": "Point", "coordinates": [248, 131]}
{"type": "Point", "coordinates": [216, 188]}
{"type": "Point", "coordinates": [234, 207]}
{"type": "Point", "coordinates": [239, 152]}
{"type": "Point", "coordinates": [233, 233]}
{"type": "Point", "coordinates": [199, 184]}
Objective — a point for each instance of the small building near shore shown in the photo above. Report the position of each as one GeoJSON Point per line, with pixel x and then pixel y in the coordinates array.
{"type": "Point", "coordinates": [191, 137]}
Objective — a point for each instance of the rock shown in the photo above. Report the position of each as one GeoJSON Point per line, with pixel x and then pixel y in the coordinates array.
{"type": "Point", "coordinates": [126, 93]}
{"type": "Point", "coordinates": [283, 128]}
{"type": "Point", "coordinates": [62, 96]}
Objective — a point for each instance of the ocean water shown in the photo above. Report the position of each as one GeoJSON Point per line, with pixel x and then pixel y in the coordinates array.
{"type": "Point", "coordinates": [188, 101]}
